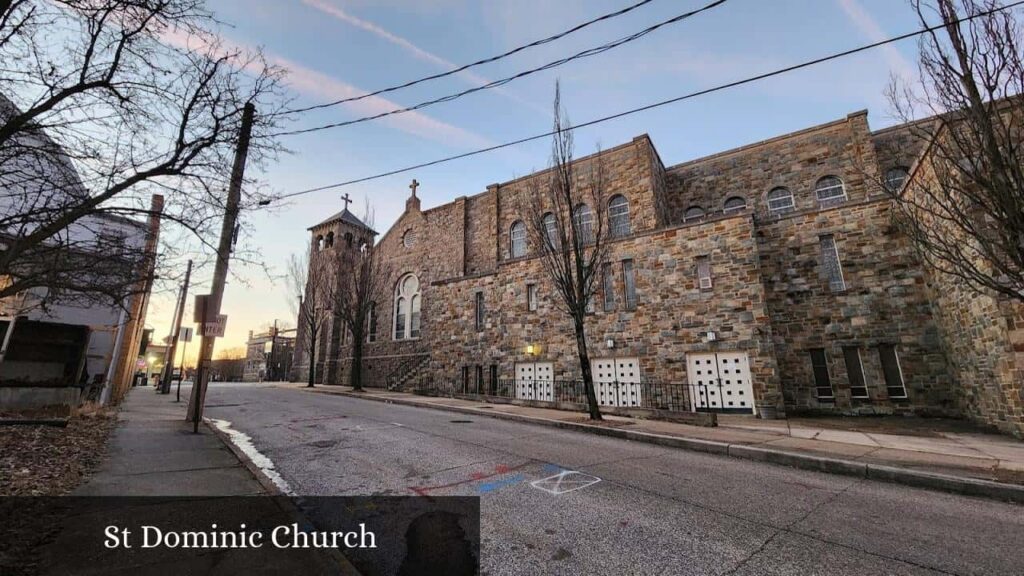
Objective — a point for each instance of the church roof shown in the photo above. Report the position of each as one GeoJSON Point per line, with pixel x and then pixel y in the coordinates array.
{"type": "Point", "coordinates": [348, 218]}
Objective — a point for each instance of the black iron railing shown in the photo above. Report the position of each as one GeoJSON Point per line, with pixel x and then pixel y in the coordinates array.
{"type": "Point", "coordinates": [646, 395]}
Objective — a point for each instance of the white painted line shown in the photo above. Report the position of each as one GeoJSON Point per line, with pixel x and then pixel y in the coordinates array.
{"type": "Point", "coordinates": [564, 482]}
{"type": "Point", "coordinates": [244, 443]}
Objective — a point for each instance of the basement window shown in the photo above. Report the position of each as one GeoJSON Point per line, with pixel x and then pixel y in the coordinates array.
{"type": "Point", "coordinates": [855, 372]}
{"type": "Point", "coordinates": [892, 371]}
{"type": "Point", "coordinates": [822, 382]}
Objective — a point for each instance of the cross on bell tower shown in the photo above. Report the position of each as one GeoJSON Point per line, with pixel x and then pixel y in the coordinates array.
{"type": "Point", "coordinates": [346, 200]}
{"type": "Point", "coordinates": [413, 203]}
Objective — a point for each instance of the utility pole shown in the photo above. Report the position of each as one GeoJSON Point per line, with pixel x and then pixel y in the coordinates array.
{"type": "Point", "coordinates": [273, 354]}
{"type": "Point", "coordinates": [172, 348]}
{"type": "Point", "coordinates": [220, 271]}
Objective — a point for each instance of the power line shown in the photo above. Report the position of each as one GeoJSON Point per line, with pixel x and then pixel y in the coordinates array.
{"type": "Point", "coordinates": [748, 80]}
{"type": "Point", "coordinates": [465, 67]}
{"type": "Point", "coordinates": [494, 84]}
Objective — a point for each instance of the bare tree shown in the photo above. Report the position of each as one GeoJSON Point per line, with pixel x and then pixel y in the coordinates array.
{"type": "Point", "coordinates": [965, 208]}
{"type": "Point", "coordinates": [313, 283]}
{"type": "Point", "coordinates": [102, 104]}
{"type": "Point", "coordinates": [361, 285]}
{"type": "Point", "coordinates": [566, 223]}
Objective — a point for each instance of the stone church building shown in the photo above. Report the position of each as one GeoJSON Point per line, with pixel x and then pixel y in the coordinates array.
{"type": "Point", "coordinates": [774, 270]}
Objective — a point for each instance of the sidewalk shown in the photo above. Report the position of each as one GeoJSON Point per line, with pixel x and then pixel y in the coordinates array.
{"type": "Point", "coordinates": [153, 452]}
{"type": "Point", "coordinates": [963, 462]}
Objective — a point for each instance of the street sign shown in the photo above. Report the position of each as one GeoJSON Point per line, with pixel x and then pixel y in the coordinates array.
{"type": "Point", "coordinates": [215, 329]}
{"type": "Point", "coordinates": [185, 334]}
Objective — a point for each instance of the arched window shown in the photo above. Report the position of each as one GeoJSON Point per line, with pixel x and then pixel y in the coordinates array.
{"type": "Point", "coordinates": [407, 308]}
{"type": "Point", "coordinates": [584, 222]}
{"type": "Point", "coordinates": [895, 177]}
{"type": "Point", "coordinates": [693, 213]}
{"type": "Point", "coordinates": [551, 229]}
{"type": "Point", "coordinates": [618, 216]}
{"type": "Point", "coordinates": [734, 204]}
{"type": "Point", "coordinates": [319, 243]}
{"type": "Point", "coordinates": [780, 200]}
{"type": "Point", "coordinates": [330, 240]}
{"type": "Point", "coordinates": [348, 239]}
{"type": "Point", "coordinates": [517, 239]}
{"type": "Point", "coordinates": [830, 190]}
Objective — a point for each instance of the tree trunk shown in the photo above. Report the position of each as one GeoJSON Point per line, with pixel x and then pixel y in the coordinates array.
{"type": "Point", "coordinates": [355, 373]}
{"type": "Point", "coordinates": [588, 375]}
{"type": "Point", "coordinates": [312, 361]}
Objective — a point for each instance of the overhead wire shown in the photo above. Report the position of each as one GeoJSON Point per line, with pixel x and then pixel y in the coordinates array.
{"type": "Point", "coordinates": [496, 83]}
{"type": "Point", "coordinates": [718, 88]}
{"type": "Point", "coordinates": [465, 67]}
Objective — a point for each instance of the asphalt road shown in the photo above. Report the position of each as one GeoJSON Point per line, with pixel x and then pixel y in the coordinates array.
{"type": "Point", "coordinates": [653, 511]}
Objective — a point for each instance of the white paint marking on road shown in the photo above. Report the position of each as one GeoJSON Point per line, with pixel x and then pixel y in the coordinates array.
{"type": "Point", "coordinates": [244, 443]}
{"type": "Point", "coordinates": [564, 482]}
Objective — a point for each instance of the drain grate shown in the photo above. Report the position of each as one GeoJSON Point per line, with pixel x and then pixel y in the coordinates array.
{"type": "Point", "coordinates": [461, 421]}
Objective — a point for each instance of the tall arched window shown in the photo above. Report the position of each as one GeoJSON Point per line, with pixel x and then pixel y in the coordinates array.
{"type": "Point", "coordinates": [551, 229]}
{"type": "Point", "coordinates": [319, 243]}
{"type": "Point", "coordinates": [517, 239]}
{"type": "Point", "coordinates": [693, 213]}
{"type": "Point", "coordinates": [407, 308]}
{"type": "Point", "coordinates": [780, 200]}
{"type": "Point", "coordinates": [330, 239]}
{"type": "Point", "coordinates": [584, 222]}
{"type": "Point", "coordinates": [734, 204]}
{"type": "Point", "coordinates": [618, 216]}
{"type": "Point", "coordinates": [830, 190]}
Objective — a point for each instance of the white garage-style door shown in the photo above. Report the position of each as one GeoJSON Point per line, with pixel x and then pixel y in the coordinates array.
{"type": "Point", "coordinates": [617, 381]}
{"type": "Point", "coordinates": [720, 382]}
{"type": "Point", "coordinates": [535, 381]}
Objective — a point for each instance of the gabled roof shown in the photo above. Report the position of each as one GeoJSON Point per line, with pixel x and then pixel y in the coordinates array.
{"type": "Point", "coordinates": [348, 218]}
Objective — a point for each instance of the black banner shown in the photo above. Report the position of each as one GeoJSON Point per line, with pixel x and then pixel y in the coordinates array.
{"type": "Point", "coordinates": [370, 535]}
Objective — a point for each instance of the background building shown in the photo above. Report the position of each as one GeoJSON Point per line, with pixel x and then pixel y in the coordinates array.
{"type": "Point", "coordinates": [269, 355]}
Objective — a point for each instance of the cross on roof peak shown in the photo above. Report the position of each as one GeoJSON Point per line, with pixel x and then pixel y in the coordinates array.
{"type": "Point", "coordinates": [346, 200]}
{"type": "Point", "coordinates": [415, 184]}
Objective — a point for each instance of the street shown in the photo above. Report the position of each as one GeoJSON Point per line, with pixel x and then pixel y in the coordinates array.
{"type": "Point", "coordinates": [563, 502]}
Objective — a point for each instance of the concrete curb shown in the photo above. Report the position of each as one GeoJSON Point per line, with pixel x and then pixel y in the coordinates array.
{"type": "Point", "coordinates": [907, 477]}
{"type": "Point", "coordinates": [340, 564]}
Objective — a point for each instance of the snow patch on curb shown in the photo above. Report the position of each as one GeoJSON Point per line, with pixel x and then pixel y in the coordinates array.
{"type": "Point", "coordinates": [243, 442]}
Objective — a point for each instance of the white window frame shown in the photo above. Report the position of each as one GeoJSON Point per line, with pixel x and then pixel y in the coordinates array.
{"type": "Point", "coordinates": [704, 281]}
{"type": "Point", "coordinates": [584, 217]}
{"type": "Point", "coordinates": [517, 239]}
{"type": "Point", "coordinates": [863, 374]}
{"type": "Point", "coordinates": [531, 297]}
{"type": "Point", "coordinates": [832, 198]}
{"type": "Point", "coordinates": [618, 216]}
{"type": "Point", "coordinates": [833, 285]}
{"type": "Point", "coordinates": [726, 209]}
{"type": "Point", "coordinates": [790, 206]}
{"type": "Point", "coordinates": [905, 173]}
{"type": "Point", "coordinates": [629, 278]}
{"type": "Point", "coordinates": [688, 218]}
{"type": "Point", "coordinates": [899, 369]}
{"type": "Point", "coordinates": [411, 316]}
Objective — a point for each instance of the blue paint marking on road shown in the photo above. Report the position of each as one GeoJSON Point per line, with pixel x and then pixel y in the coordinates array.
{"type": "Point", "coordinates": [553, 468]}
{"type": "Point", "coordinates": [492, 486]}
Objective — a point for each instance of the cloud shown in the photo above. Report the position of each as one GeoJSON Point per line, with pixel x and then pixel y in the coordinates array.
{"type": "Point", "coordinates": [324, 87]}
{"type": "Point", "coordinates": [335, 11]}
{"type": "Point", "coordinates": [870, 28]}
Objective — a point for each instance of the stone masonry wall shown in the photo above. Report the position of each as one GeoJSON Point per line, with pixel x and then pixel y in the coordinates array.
{"type": "Point", "coordinates": [884, 303]}
{"type": "Point", "coordinates": [671, 318]}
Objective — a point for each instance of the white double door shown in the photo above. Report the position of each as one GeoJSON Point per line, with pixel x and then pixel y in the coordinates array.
{"type": "Point", "coordinates": [720, 382]}
{"type": "Point", "coordinates": [617, 381]}
{"type": "Point", "coordinates": [535, 381]}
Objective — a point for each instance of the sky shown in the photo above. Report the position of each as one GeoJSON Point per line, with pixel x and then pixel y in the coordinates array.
{"type": "Point", "coordinates": [338, 48]}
